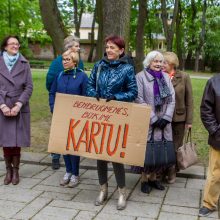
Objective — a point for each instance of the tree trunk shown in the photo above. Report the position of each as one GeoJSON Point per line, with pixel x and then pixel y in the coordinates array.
{"type": "Point", "coordinates": [169, 29]}
{"type": "Point", "coordinates": [90, 57]}
{"type": "Point", "coordinates": [116, 14]}
{"type": "Point", "coordinates": [76, 20]}
{"type": "Point", "coordinates": [53, 23]}
{"type": "Point", "coordinates": [140, 45]}
{"type": "Point", "coordinates": [191, 29]}
{"type": "Point", "coordinates": [201, 37]}
{"type": "Point", "coordinates": [179, 37]}
{"type": "Point", "coordinates": [78, 15]}
{"type": "Point", "coordinates": [99, 44]}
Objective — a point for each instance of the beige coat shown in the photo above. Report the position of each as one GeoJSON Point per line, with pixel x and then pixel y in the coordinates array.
{"type": "Point", "coordinates": [184, 98]}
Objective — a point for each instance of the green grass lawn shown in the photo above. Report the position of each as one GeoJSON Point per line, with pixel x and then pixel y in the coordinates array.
{"type": "Point", "coordinates": [41, 116]}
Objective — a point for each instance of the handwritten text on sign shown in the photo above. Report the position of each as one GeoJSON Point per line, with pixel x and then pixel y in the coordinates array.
{"type": "Point", "coordinates": [114, 131]}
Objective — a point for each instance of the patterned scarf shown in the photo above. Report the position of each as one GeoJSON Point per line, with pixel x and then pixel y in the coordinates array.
{"type": "Point", "coordinates": [161, 91]}
{"type": "Point", "coordinates": [10, 60]}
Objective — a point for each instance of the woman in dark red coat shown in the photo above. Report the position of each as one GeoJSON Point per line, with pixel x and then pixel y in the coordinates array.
{"type": "Point", "coordinates": [15, 91]}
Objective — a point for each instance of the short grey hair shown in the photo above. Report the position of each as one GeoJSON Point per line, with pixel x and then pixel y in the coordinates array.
{"type": "Point", "coordinates": [151, 56]}
{"type": "Point", "coordinates": [69, 41]}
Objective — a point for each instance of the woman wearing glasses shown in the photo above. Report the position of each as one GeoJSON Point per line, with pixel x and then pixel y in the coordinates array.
{"type": "Point", "coordinates": [15, 91]}
{"type": "Point", "coordinates": [70, 81]}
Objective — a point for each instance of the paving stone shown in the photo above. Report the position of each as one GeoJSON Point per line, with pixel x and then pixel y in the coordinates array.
{"type": "Point", "coordinates": [194, 171]}
{"type": "Point", "coordinates": [32, 208]}
{"type": "Point", "coordinates": [183, 197]}
{"type": "Point", "coordinates": [180, 210]}
{"type": "Point", "coordinates": [2, 165]}
{"type": "Point", "coordinates": [55, 213]}
{"type": "Point", "coordinates": [133, 209]}
{"type": "Point", "coordinates": [90, 196]}
{"type": "Point", "coordinates": [155, 196]}
{"type": "Point", "coordinates": [88, 187]}
{"type": "Point", "coordinates": [18, 195]}
{"type": "Point", "coordinates": [43, 174]}
{"type": "Point", "coordinates": [102, 216]}
{"type": "Point", "coordinates": [47, 159]}
{"type": "Point", "coordinates": [173, 216]}
{"type": "Point", "coordinates": [2, 173]}
{"type": "Point", "coordinates": [89, 162]}
{"type": "Point", "coordinates": [130, 180]}
{"type": "Point", "coordinates": [140, 218]}
{"type": "Point", "coordinates": [28, 170]}
{"type": "Point", "coordinates": [59, 189]}
{"type": "Point", "coordinates": [85, 215]}
{"type": "Point", "coordinates": [54, 179]}
{"type": "Point", "coordinates": [180, 183]}
{"type": "Point", "coordinates": [32, 157]}
{"type": "Point", "coordinates": [83, 206]}
{"type": "Point", "coordinates": [9, 208]}
{"type": "Point", "coordinates": [89, 181]}
{"type": "Point", "coordinates": [26, 183]}
{"type": "Point", "coordinates": [59, 196]}
{"type": "Point", "coordinates": [195, 184]}
{"type": "Point", "coordinates": [90, 174]}
{"type": "Point", "coordinates": [154, 193]}
{"type": "Point", "coordinates": [62, 169]}
{"type": "Point", "coordinates": [213, 216]}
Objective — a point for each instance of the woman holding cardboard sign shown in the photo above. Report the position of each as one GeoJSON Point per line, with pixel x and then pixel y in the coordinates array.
{"type": "Point", "coordinates": [70, 81]}
{"type": "Point", "coordinates": [112, 78]}
{"type": "Point", "coordinates": [155, 88]}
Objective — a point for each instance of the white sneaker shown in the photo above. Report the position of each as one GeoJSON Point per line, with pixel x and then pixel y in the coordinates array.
{"type": "Point", "coordinates": [74, 181]}
{"type": "Point", "coordinates": [66, 179]}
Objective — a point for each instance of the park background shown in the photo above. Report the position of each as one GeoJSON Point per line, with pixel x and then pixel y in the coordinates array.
{"type": "Point", "coordinates": [190, 28]}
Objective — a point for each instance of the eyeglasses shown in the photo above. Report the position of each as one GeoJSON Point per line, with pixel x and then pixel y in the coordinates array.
{"type": "Point", "coordinates": [66, 60]}
{"type": "Point", "coordinates": [14, 44]}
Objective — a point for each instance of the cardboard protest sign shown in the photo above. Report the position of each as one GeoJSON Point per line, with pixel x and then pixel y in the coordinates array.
{"type": "Point", "coordinates": [112, 131]}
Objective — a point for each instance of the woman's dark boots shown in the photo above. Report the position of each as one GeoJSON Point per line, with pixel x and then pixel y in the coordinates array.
{"type": "Point", "coordinates": [15, 173]}
{"type": "Point", "coordinates": [8, 176]}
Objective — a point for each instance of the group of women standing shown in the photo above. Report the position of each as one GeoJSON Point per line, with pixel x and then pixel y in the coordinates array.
{"type": "Point", "coordinates": [160, 84]}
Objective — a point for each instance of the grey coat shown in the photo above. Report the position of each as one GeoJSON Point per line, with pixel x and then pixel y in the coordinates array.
{"type": "Point", "coordinates": [145, 83]}
{"type": "Point", "coordinates": [15, 86]}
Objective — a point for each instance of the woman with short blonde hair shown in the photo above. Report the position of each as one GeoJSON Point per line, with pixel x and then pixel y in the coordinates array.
{"type": "Point", "coordinates": [183, 113]}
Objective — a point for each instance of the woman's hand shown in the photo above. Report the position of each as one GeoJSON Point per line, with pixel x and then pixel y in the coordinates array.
{"type": "Point", "coordinates": [6, 110]}
{"type": "Point", "coordinates": [187, 126]}
{"type": "Point", "coordinates": [16, 109]}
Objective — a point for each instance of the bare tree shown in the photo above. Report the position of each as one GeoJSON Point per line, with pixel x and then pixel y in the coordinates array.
{"type": "Point", "coordinates": [142, 17]}
{"type": "Point", "coordinates": [53, 23]}
{"type": "Point", "coordinates": [169, 29]}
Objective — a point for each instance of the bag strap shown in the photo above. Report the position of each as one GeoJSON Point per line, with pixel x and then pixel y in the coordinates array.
{"type": "Point", "coordinates": [97, 76]}
{"type": "Point", "coordinates": [188, 135]}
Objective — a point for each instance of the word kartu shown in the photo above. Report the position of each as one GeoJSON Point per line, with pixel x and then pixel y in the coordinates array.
{"type": "Point", "coordinates": [99, 137]}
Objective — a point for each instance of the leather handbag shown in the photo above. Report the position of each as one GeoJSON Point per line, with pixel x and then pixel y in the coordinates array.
{"type": "Point", "coordinates": [186, 154]}
{"type": "Point", "coordinates": [159, 153]}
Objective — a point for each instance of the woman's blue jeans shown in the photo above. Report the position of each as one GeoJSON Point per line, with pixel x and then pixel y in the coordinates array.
{"type": "Point", "coordinates": [72, 164]}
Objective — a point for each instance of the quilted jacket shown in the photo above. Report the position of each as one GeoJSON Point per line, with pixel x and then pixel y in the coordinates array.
{"type": "Point", "coordinates": [114, 78]}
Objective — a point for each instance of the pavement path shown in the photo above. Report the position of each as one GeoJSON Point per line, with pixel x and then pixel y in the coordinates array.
{"type": "Point", "coordinates": [39, 196]}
